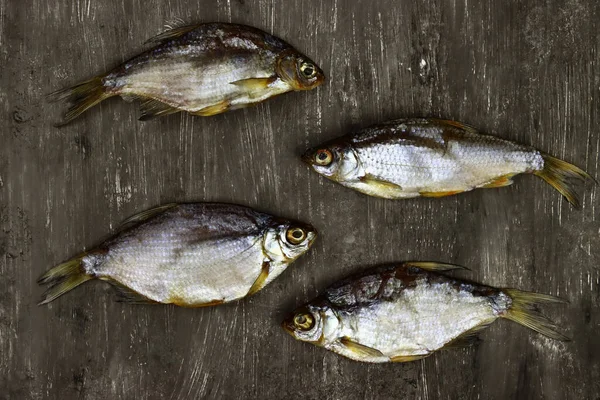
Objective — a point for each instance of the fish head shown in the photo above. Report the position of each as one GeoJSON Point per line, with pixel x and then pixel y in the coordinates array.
{"type": "Point", "coordinates": [307, 323]}
{"type": "Point", "coordinates": [334, 160]}
{"type": "Point", "coordinates": [298, 71]}
{"type": "Point", "coordinates": [286, 240]}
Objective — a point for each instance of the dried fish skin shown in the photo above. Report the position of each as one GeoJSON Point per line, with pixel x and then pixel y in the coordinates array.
{"type": "Point", "coordinates": [203, 69]}
{"type": "Point", "coordinates": [191, 255]}
{"type": "Point", "coordinates": [407, 312]}
{"type": "Point", "coordinates": [416, 157]}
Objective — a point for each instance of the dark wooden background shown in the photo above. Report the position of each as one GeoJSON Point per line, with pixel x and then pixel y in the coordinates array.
{"type": "Point", "coordinates": [525, 70]}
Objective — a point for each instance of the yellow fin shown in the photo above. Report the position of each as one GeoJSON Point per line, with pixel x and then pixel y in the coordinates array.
{"type": "Point", "coordinates": [558, 173]}
{"type": "Point", "coordinates": [380, 185]}
{"type": "Point", "coordinates": [500, 182]}
{"type": "Point", "coordinates": [207, 304]}
{"type": "Point", "coordinates": [144, 215]}
{"type": "Point", "coordinates": [433, 266]}
{"type": "Point", "coordinates": [63, 278]}
{"type": "Point", "coordinates": [81, 97]}
{"type": "Point", "coordinates": [254, 84]}
{"type": "Point", "coordinates": [407, 358]}
{"type": "Point", "coordinates": [523, 310]}
{"type": "Point", "coordinates": [359, 349]}
{"type": "Point", "coordinates": [456, 124]}
{"type": "Point", "coordinates": [151, 108]}
{"type": "Point", "coordinates": [259, 283]}
{"type": "Point", "coordinates": [215, 109]}
{"type": "Point", "coordinates": [440, 194]}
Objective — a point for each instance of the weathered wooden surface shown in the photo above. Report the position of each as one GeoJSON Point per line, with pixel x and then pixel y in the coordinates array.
{"type": "Point", "coordinates": [526, 70]}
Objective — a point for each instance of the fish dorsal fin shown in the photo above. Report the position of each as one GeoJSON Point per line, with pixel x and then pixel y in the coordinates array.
{"type": "Point", "coordinates": [360, 350]}
{"type": "Point", "coordinates": [467, 339]}
{"type": "Point", "coordinates": [171, 34]}
{"type": "Point", "coordinates": [433, 266]}
{"type": "Point", "coordinates": [456, 124]}
{"type": "Point", "coordinates": [144, 215]}
{"type": "Point", "coordinates": [151, 108]}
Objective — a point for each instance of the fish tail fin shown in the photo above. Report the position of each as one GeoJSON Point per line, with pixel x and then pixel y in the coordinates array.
{"type": "Point", "coordinates": [81, 97]}
{"type": "Point", "coordinates": [558, 173]}
{"type": "Point", "coordinates": [524, 311]}
{"type": "Point", "coordinates": [63, 278]}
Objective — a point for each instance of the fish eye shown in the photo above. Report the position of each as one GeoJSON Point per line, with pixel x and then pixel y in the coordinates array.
{"type": "Point", "coordinates": [324, 157]}
{"type": "Point", "coordinates": [304, 321]}
{"type": "Point", "coordinates": [308, 70]}
{"type": "Point", "coordinates": [295, 235]}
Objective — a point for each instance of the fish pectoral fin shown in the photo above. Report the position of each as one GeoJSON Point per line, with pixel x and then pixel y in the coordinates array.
{"type": "Point", "coordinates": [433, 266]}
{"type": "Point", "coordinates": [381, 186]}
{"type": "Point", "coordinates": [127, 295]}
{"type": "Point", "coordinates": [440, 194]}
{"type": "Point", "coordinates": [215, 109]}
{"type": "Point", "coordinates": [151, 108]}
{"type": "Point", "coordinates": [360, 349]}
{"type": "Point", "coordinates": [254, 84]}
{"type": "Point", "coordinates": [407, 358]}
{"type": "Point", "coordinates": [171, 34]}
{"type": "Point", "coordinates": [466, 339]}
{"type": "Point", "coordinates": [500, 182]}
{"type": "Point", "coordinates": [145, 215]}
{"type": "Point", "coordinates": [259, 283]}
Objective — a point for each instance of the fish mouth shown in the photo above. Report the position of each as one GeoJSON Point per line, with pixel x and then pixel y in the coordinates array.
{"type": "Point", "coordinates": [288, 326]}
{"type": "Point", "coordinates": [308, 157]}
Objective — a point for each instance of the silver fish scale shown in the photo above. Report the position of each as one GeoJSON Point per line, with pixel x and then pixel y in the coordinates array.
{"type": "Point", "coordinates": [420, 159]}
{"type": "Point", "coordinates": [190, 254]}
{"type": "Point", "coordinates": [413, 315]}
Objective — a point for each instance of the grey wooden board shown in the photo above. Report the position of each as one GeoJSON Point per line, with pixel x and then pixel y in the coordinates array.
{"type": "Point", "coordinates": [525, 70]}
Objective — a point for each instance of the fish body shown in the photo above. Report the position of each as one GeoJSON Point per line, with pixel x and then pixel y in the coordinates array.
{"type": "Point", "coordinates": [430, 157]}
{"type": "Point", "coordinates": [204, 69]}
{"type": "Point", "coordinates": [189, 255]}
{"type": "Point", "coordinates": [407, 312]}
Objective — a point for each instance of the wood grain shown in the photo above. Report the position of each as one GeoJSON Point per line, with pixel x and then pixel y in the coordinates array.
{"type": "Point", "coordinates": [525, 70]}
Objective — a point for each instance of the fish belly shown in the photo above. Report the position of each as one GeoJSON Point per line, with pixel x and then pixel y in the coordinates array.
{"type": "Point", "coordinates": [168, 270]}
{"type": "Point", "coordinates": [420, 321]}
{"type": "Point", "coordinates": [193, 85]}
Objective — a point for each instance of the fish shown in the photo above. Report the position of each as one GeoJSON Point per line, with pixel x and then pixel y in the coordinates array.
{"type": "Point", "coordinates": [430, 157]}
{"type": "Point", "coordinates": [190, 255]}
{"type": "Point", "coordinates": [406, 312]}
{"type": "Point", "coordinates": [203, 69]}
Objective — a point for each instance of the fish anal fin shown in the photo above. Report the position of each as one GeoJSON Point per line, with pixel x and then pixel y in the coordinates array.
{"type": "Point", "coordinates": [400, 359]}
{"type": "Point", "coordinates": [145, 215]}
{"type": "Point", "coordinates": [500, 182]}
{"type": "Point", "coordinates": [128, 295]}
{"type": "Point", "coordinates": [254, 84]}
{"type": "Point", "coordinates": [467, 339]}
{"type": "Point", "coordinates": [440, 194]}
{"type": "Point", "coordinates": [215, 109]}
{"type": "Point", "coordinates": [260, 281]}
{"type": "Point", "coordinates": [171, 34]}
{"type": "Point", "coordinates": [151, 108]}
{"type": "Point", "coordinates": [183, 303]}
{"type": "Point", "coordinates": [433, 266]}
{"type": "Point", "coordinates": [360, 350]}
